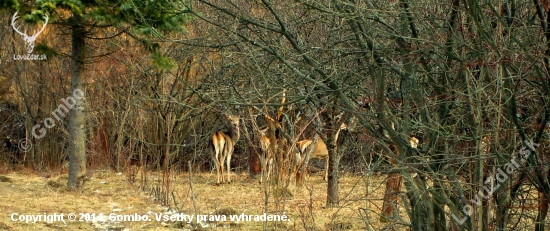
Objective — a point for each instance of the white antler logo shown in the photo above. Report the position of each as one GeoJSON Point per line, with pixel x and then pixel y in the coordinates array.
{"type": "Point", "coordinates": [28, 39]}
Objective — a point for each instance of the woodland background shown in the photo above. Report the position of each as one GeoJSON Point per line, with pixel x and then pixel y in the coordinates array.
{"type": "Point", "coordinates": [470, 79]}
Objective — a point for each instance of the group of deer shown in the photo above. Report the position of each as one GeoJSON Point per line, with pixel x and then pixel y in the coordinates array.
{"type": "Point", "coordinates": [223, 144]}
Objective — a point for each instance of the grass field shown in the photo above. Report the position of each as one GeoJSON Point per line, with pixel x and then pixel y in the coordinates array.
{"type": "Point", "coordinates": [109, 202]}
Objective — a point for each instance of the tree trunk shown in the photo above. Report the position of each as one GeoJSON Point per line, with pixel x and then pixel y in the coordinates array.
{"type": "Point", "coordinates": [334, 156]}
{"type": "Point", "coordinates": [333, 176]}
{"type": "Point", "coordinates": [254, 163]}
{"type": "Point", "coordinates": [543, 211]}
{"type": "Point", "coordinates": [393, 188]}
{"type": "Point", "coordinates": [77, 136]}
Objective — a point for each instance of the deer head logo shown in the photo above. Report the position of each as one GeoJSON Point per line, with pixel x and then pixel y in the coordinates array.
{"type": "Point", "coordinates": [28, 39]}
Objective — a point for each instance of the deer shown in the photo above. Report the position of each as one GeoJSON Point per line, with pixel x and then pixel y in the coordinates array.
{"type": "Point", "coordinates": [222, 145]}
{"type": "Point", "coordinates": [266, 156]}
{"type": "Point", "coordinates": [320, 150]}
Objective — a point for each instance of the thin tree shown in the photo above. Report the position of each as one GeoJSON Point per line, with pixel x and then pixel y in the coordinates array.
{"type": "Point", "coordinates": [142, 20]}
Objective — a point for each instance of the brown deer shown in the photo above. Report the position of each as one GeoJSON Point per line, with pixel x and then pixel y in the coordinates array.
{"type": "Point", "coordinates": [266, 156]}
{"type": "Point", "coordinates": [320, 150]}
{"type": "Point", "coordinates": [222, 145]}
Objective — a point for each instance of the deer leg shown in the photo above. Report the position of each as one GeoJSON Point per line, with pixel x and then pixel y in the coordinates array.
{"type": "Point", "coordinates": [222, 160]}
{"type": "Point", "coordinates": [217, 166]}
{"type": "Point", "coordinates": [229, 165]}
{"type": "Point", "coordinates": [326, 171]}
{"type": "Point", "coordinates": [263, 167]}
{"type": "Point", "coordinates": [270, 168]}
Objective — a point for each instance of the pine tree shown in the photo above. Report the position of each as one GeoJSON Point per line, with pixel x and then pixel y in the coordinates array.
{"type": "Point", "coordinates": [142, 20]}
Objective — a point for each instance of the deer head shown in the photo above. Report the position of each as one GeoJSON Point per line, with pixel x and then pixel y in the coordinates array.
{"type": "Point", "coordinates": [28, 39]}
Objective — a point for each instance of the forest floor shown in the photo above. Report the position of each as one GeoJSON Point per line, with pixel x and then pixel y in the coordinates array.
{"type": "Point", "coordinates": [38, 201]}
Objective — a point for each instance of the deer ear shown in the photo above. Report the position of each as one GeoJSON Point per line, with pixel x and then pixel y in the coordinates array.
{"type": "Point", "coordinates": [263, 132]}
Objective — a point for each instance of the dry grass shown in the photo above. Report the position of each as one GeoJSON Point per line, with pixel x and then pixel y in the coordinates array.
{"type": "Point", "coordinates": [108, 192]}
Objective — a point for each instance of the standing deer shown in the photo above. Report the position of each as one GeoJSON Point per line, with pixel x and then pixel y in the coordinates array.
{"type": "Point", "coordinates": [266, 157]}
{"type": "Point", "coordinates": [222, 145]}
{"type": "Point", "coordinates": [320, 150]}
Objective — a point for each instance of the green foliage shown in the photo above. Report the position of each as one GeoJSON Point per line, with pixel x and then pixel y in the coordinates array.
{"type": "Point", "coordinates": [150, 18]}
{"type": "Point", "coordinates": [14, 4]}
{"type": "Point", "coordinates": [50, 6]}
{"type": "Point", "coordinates": [34, 17]}
{"type": "Point", "coordinates": [153, 17]}
{"type": "Point", "coordinates": [42, 48]}
{"type": "Point", "coordinates": [143, 19]}
{"type": "Point", "coordinates": [163, 62]}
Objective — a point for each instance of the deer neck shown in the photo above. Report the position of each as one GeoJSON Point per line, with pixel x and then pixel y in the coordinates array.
{"type": "Point", "coordinates": [234, 133]}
